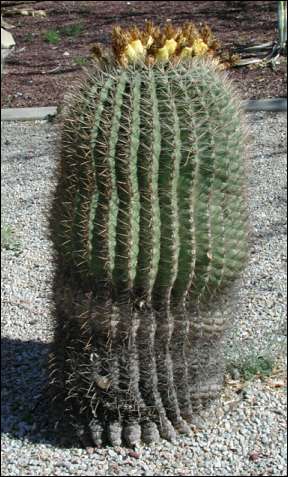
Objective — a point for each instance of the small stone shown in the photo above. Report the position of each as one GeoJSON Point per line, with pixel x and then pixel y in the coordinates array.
{"type": "Point", "coordinates": [265, 440]}
{"type": "Point", "coordinates": [134, 454]}
{"type": "Point", "coordinates": [227, 426]}
{"type": "Point", "coordinates": [7, 40]}
{"type": "Point", "coordinates": [112, 453]}
{"type": "Point", "coordinates": [90, 450]}
{"type": "Point", "coordinates": [254, 456]}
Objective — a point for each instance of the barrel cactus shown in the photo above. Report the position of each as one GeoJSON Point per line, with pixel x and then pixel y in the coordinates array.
{"type": "Point", "coordinates": [149, 229]}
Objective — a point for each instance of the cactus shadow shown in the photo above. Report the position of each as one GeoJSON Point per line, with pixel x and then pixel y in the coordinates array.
{"type": "Point", "coordinates": [25, 410]}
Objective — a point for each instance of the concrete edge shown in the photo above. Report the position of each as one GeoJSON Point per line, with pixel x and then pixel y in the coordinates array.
{"type": "Point", "coordinates": [32, 114]}
{"type": "Point", "coordinates": [273, 104]}
{"type": "Point", "coordinates": [28, 114]}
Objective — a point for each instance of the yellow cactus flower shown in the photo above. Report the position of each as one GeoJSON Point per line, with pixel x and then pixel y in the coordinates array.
{"type": "Point", "coordinates": [186, 52]}
{"type": "Point", "coordinates": [130, 53]}
{"type": "Point", "coordinates": [171, 46]}
{"type": "Point", "coordinates": [135, 50]}
{"type": "Point", "coordinates": [199, 47]}
{"type": "Point", "coordinates": [138, 47]}
{"type": "Point", "coordinates": [162, 54]}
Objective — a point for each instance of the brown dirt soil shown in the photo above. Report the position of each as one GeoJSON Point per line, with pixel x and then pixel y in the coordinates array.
{"type": "Point", "coordinates": [38, 73]}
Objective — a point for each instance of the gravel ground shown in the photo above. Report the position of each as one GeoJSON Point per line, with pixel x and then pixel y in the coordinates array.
{"type": "Point", "coordinates": [246, 434]}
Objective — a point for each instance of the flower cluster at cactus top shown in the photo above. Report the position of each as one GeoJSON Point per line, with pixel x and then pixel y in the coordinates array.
{"type": "Point", "coordinates": [154, 45]}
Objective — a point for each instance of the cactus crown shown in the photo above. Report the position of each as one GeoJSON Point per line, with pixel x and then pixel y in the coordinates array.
{"type": "Point", "coordinates": [155, 45]}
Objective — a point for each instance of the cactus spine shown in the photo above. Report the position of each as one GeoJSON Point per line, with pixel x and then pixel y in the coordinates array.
{"type": "Point", "coordinates": [149, 226]}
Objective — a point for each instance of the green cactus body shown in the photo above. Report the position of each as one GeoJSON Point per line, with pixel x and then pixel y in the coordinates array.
{"type": "Point", "coordinates": [156, 182]}
{"type": "Point", "coordinates": [149, 218]}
